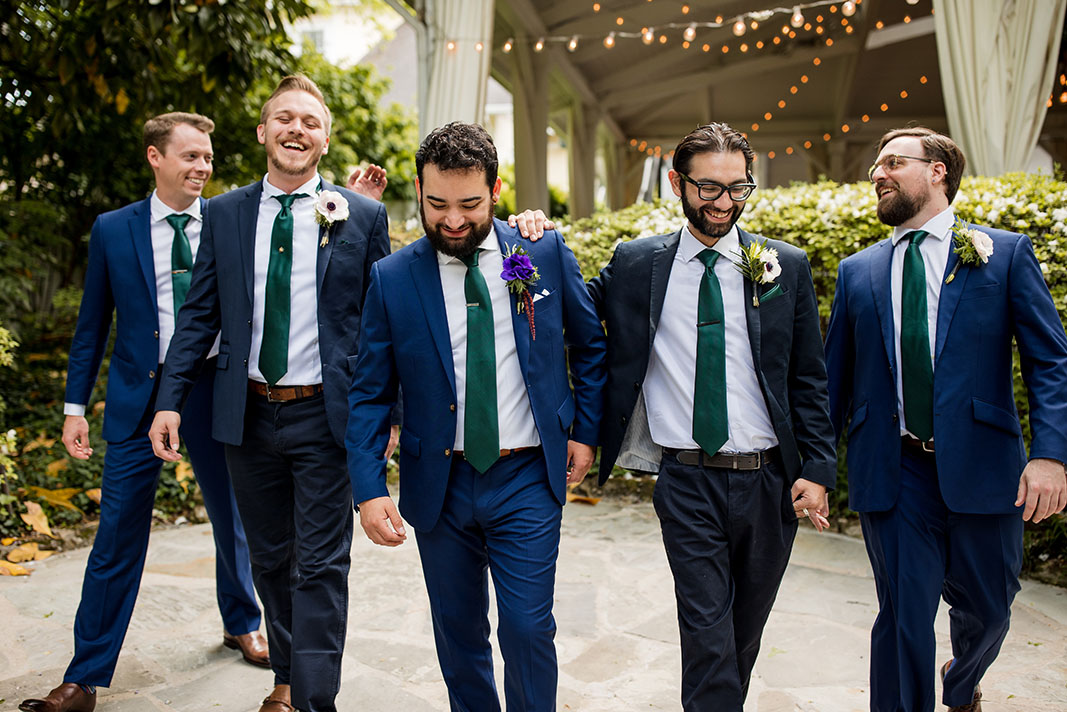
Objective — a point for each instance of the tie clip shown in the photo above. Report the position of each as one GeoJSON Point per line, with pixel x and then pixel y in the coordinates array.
{"type": "Point", "coordinates": [474, 304]}
{"type": "Point", "coordinates": [708, 323]}
{"type": "Point", "coordinates": [178, 271]}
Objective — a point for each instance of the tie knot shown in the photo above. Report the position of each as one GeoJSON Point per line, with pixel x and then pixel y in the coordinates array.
{"type": "Point", "coordinates": [708, 256]}
{"type": "Point", "coordinates": [287, 200]}
{"type": "Point", "coordinates": [917, 236]}
{"type": "Point", "coordinates": [470, 260]}
{"type": "Point", "coordinates": [178, 221]}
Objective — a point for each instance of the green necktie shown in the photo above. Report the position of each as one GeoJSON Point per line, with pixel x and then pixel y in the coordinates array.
{"type": "Point", "coordinates": [274, 350]}
{"type": "Point", "coordinates": [710, 428]}
{"type": "Point", "coordinates": [917, 371]}
{"type": "Point", "coordinates": [181, 260]}
{"type": "Point", "coordinates": [481, 433]}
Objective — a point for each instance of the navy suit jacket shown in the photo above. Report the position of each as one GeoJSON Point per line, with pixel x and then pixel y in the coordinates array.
{"type": "Point", "coordinates": [783, 332]}
{"type": "Point", "coordinates": [120, 280]}
{"type": "Point", "coordinates": [978, 440]}
{"type": "Point", "coordinates": [405, 343]}
{"type": "Point", "coordinates": [220, 297]}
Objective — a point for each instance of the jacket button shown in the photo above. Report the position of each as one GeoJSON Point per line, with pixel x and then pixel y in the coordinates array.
{"type": "Point", "coordinates": [622, 420]}
{"type": "Point", "coordinates": [151, 374]}
{"type": "Point", "coordinates": [250, 322]}
{"type": "Point", "coordinates": [452, 407]}
{"type": "Point", "coordinates": [156, 333]}
{"type": "Point", "coordinates": [448, 452]}
{"type": "Point", "coordinates": [246, 362]}
{"type": "Point", "coordinates": [895, 417]}
{"type": "Point", "coordinates": [637, 386]}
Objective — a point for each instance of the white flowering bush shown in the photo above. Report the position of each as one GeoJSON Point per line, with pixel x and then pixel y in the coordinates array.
{"type": "Point", "coordinates": [831, 221]}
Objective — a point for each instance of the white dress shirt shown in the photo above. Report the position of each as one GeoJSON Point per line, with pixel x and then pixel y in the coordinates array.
{"type": "Point", "coordinates": [935, 250]}
{"type": "Point", "coordinates": [305, 364]}
{"type": "Point", "coordinates": [514, 417]}
{"type": "Point", "coordinates": [671, 377]}
{"type": "Point", "coordinates": [162, 235]}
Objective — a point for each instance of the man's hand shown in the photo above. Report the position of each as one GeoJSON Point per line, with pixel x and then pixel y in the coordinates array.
{"type": "Point", "coordinates": [394, 438]}
{"type": "Point", "coordinates": [579, 460]}
{"type": "Point", "coordinates": [76, 437]}
{"type": "Point", "coordinates": [1043, 488]}
{"type": "Point", "coordinates": [370, 183]}
{"type": "Point", "coordinates": [381, 521]}
{"type": "Point", "coordinates": [809, 500]}
{"type": "Point", "coordinates": [531, 223]}
{"type": "Point", "coordinates": [164, 435]}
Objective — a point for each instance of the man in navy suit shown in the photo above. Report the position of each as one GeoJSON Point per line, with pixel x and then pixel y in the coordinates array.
{"type": "Point", "coordinates": [716, 381]}
{"type": "Point", "coordinates": [919, 354]}
{"type": "Point", "coordinates": [491, 432]}
{"type": "Point", "coordinates": [139, 262]}
{"type": "Point", "coordinates": [283, 270]}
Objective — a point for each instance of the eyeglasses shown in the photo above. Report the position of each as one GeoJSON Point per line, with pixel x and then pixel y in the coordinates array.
{"type": "Point", "coordinates": [894, 161]}
{"type": "Point", "coordinates": [710, 190]}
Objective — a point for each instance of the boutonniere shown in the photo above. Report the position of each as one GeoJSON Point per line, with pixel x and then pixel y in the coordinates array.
{"type": "Point", "coordinates": [758, 263]}
{"type": "Point", "coordinates": [330, 207]}
{"type": "Point", "coordinates": [520, 274]}
{"type": "Point", "coordinates": [974, 247]}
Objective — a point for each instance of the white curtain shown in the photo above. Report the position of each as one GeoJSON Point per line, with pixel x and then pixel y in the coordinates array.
{"type": "Point", "coordinates": [998, 61]}
{"type": "Point", "coordinates": [458, 76]}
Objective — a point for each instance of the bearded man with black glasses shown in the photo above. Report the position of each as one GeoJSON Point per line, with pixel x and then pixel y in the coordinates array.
{"type": "Point", "coordinates": [716, 381]}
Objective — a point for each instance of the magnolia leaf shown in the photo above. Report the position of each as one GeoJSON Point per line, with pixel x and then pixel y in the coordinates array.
{"type": "Point", "coordinates": [54, 468]}
{"type": "Point", "coordinates": [98, 408]}
{"type": "Point", "coordinates": [9, 569]}
{"type": "Point", "coordinates": [581, 498]}
{"type": "Point", "coordinates": [122, 100]}
{"type": "Point", "coordinates": [39, 441]}
{"type": "Point", "coordinates": [36, 519]}
{"type": "Point", "coordinates": [183, 473]}
{"type": "Point", "coordinates": [93, 494]}
{"type": "Point", "coordinates": [56, 497]}
{"type": "Point", "coordinates": [100, 84]}
{"type": "Point", "coordinates": [31, 551]}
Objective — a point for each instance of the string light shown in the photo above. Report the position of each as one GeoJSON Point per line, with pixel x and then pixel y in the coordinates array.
{"type": "Point", "coordinates": [539, 45]}
{"type": "Point", "coordinates": [450, 45]}
{"type": "Point", "coordinates": [573, 44]}
{"type": "Point", "coordinates": [508, 45]}
{"type": "Point", "coordinates": [848, 9]}
{"type": "Point", "coordinates": [798, 17]}
{"type": "Point", "coordinates": [690, 32]}
{"type": "Point", "coordinates": [648, 36]}
{"type": "Point", "coordinates": [609, 41]}
{"type": "Point", "coordinates": [739, 28]}
{"type": "Point", "coordinates": [478, 46]}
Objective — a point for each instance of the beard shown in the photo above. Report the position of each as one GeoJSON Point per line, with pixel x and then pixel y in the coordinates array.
{"type": "Point", "coordinates": [697, 219]}
{"type": "Point", "coordinates": [898, 207]}
{"type": "Point", "coordinates": [276, 158]}
{"type": "Point", "coordinates": [460, 248]}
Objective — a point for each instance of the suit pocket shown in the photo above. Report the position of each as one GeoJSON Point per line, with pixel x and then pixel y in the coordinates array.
{"type": "Point", "coordinates": [410, 443]}
{"type": "Point", "coordinates": [771, 294]}
{"type": "Point", "coordinates": [982, 290]}
{"type": "Point", "coordinates": [351, 360]}
{"type": "Point", "coordinates": [996, 416]}
{"type": "Point", "coordinates": [223, 362]}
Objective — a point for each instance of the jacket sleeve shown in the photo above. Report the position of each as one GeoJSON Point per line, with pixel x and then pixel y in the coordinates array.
{"type": "Point", "coordinates": [839, 355]}
{"type": "Point", "coordinates": [94, 323]}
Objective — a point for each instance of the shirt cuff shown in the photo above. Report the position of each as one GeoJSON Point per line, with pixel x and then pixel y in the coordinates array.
{"type": "Point", "coordinates": [73, 409]}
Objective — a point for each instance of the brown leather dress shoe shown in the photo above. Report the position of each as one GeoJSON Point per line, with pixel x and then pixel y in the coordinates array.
{"type": "Point", "coordinates": [975, 705]}
{"type": "Point", "coordinates": [253, 647]}
{"type": "Point", "coordinates": [68, 697]}
{"type": "Point", "coordinates": [278, 701]}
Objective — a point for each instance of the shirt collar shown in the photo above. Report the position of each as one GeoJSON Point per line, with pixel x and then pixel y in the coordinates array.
{"type": "Point", "coordinates": [309, 188]}
{"type": "Point", "coordinates": [689, 246]}
{"type": "Point", "coordinates": [939, 226]}
{"type": "Point", "coordinates": [489, 243]}
{"type": "Point", "coordinates": [161, 210]}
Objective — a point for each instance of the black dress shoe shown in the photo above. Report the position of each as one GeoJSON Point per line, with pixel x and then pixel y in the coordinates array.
{"type": "Point", "coordinates": [68, 697]}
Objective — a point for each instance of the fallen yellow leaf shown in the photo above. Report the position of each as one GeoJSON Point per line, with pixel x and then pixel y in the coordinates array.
{"type": "Point", "coordinates": [9, 569]}
{"type": "Point", "coordinates": [36, 519]}
{"type": "Point", "coordinates": [30, 551]}
{"type": "Point", "coordinates": [8, 541]}
{"type": "Point", "coordinates": [56, 497]}
{"type": "Point", "coordinates": [39, 441]}
{"type": "Point", "coordinates": [581, 498]}
{"type": "Point", "coordinates": [54, 468]}
{"type": "Point", "coordinates": [98, 408]}
{"type": "Point", "coordinates": [93, 494]}
{"type": "Point", "coordinates": [183, 473]}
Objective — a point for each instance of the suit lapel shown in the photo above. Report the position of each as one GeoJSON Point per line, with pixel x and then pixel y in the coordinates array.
{"type": "Point", "coordinates": [247, 214]}
{"type": "Point", "coordinates": [882, 287]}
{"type": "Point", "coordinates": [141, 233]}
{"type": "Point", "coordinates": [752, 314]}
{"type": "Point", "coordinates": [662, 259]}
{"type": "Point", "coordinates": [427, 277]}
{"type": "Point", "coordinates": [326, 251]}
{"type": "Point", "coordinates": [520, 323]}
{"type": "Point", "coordinates": [950, 297]}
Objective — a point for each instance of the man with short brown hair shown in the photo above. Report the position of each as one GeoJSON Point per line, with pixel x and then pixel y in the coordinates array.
{"type": "Point", "coordinates": [139, 263]}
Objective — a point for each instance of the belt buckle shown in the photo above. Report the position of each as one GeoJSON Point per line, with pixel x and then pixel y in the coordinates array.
{"type": "Point", "coordinates": [271, 398]}
{"type": "Point", "coordinates": [927, 446]}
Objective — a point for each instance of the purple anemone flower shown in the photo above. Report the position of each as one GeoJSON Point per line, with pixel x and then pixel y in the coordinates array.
{"type": "Point", "coordinates": [518, 267]}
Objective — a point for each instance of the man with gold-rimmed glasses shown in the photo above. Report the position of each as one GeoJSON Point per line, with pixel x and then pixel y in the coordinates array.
{"type": "Point", "coordinates": [919, 355]}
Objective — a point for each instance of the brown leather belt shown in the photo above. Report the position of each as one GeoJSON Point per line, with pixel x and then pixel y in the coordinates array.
{"type": "Point", "coordinates": [723, 460]}
{"type": "Point", "coordinates": [504, 452]}
{"type": "Point", "coordinates": [283, 394]}
{"type": "Point", "coordinates": [916, 446]}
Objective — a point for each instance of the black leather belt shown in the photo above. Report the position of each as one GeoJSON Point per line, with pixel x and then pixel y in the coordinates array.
{"type": "Point", "coordinates": [283, 394]}
{"type": "Point", "coordinates": [504, 452]}
{"type": "Point", "coordinates": [916, 446]}
{"type": "Point", "coordinates": [723, 460]}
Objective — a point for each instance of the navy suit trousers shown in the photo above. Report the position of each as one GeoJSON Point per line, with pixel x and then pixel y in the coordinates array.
{"type": "Point", "coordinates": [113, 572]}
{"type": "Point", "coordinates": [505, 522]}
{"type": "Point", "coordinates": [728, 535]}
{"type": "Point", "coordinates": [920, 552]}
{"type": "Point", "coordinates": [295, 499]}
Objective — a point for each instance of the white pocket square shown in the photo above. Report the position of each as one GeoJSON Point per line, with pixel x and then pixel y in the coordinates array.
{"type": "Point", "coordinates": [544, 293]}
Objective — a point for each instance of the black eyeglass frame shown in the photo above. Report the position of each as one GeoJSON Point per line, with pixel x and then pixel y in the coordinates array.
{"type": "Point", "coordinates": [702, 185]}
{"type": "Point", "coordinates": [873, 168]}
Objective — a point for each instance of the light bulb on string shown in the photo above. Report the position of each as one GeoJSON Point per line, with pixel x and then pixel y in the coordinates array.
{"type": "Point", "coordinates": [573, 44]}
{"type": "Point", "coordinates": [478, 46]}
{"type": "Point", "coordinates": [798, 17]}
{"type": "Point", "coordinates": [508, 45]}
{"type": "Point", "coordinates": [739, 27]}
{"type": "Point", "coordinates": [848, 8]}
{"type": "Point", "coordinates": [539, 45]}
{"type": "Point", "coordinates": [690, 33]}
{"type": "Point", "coordinates": [648, 35]}
{"type": "Point", "coordinates": [609, 41]}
